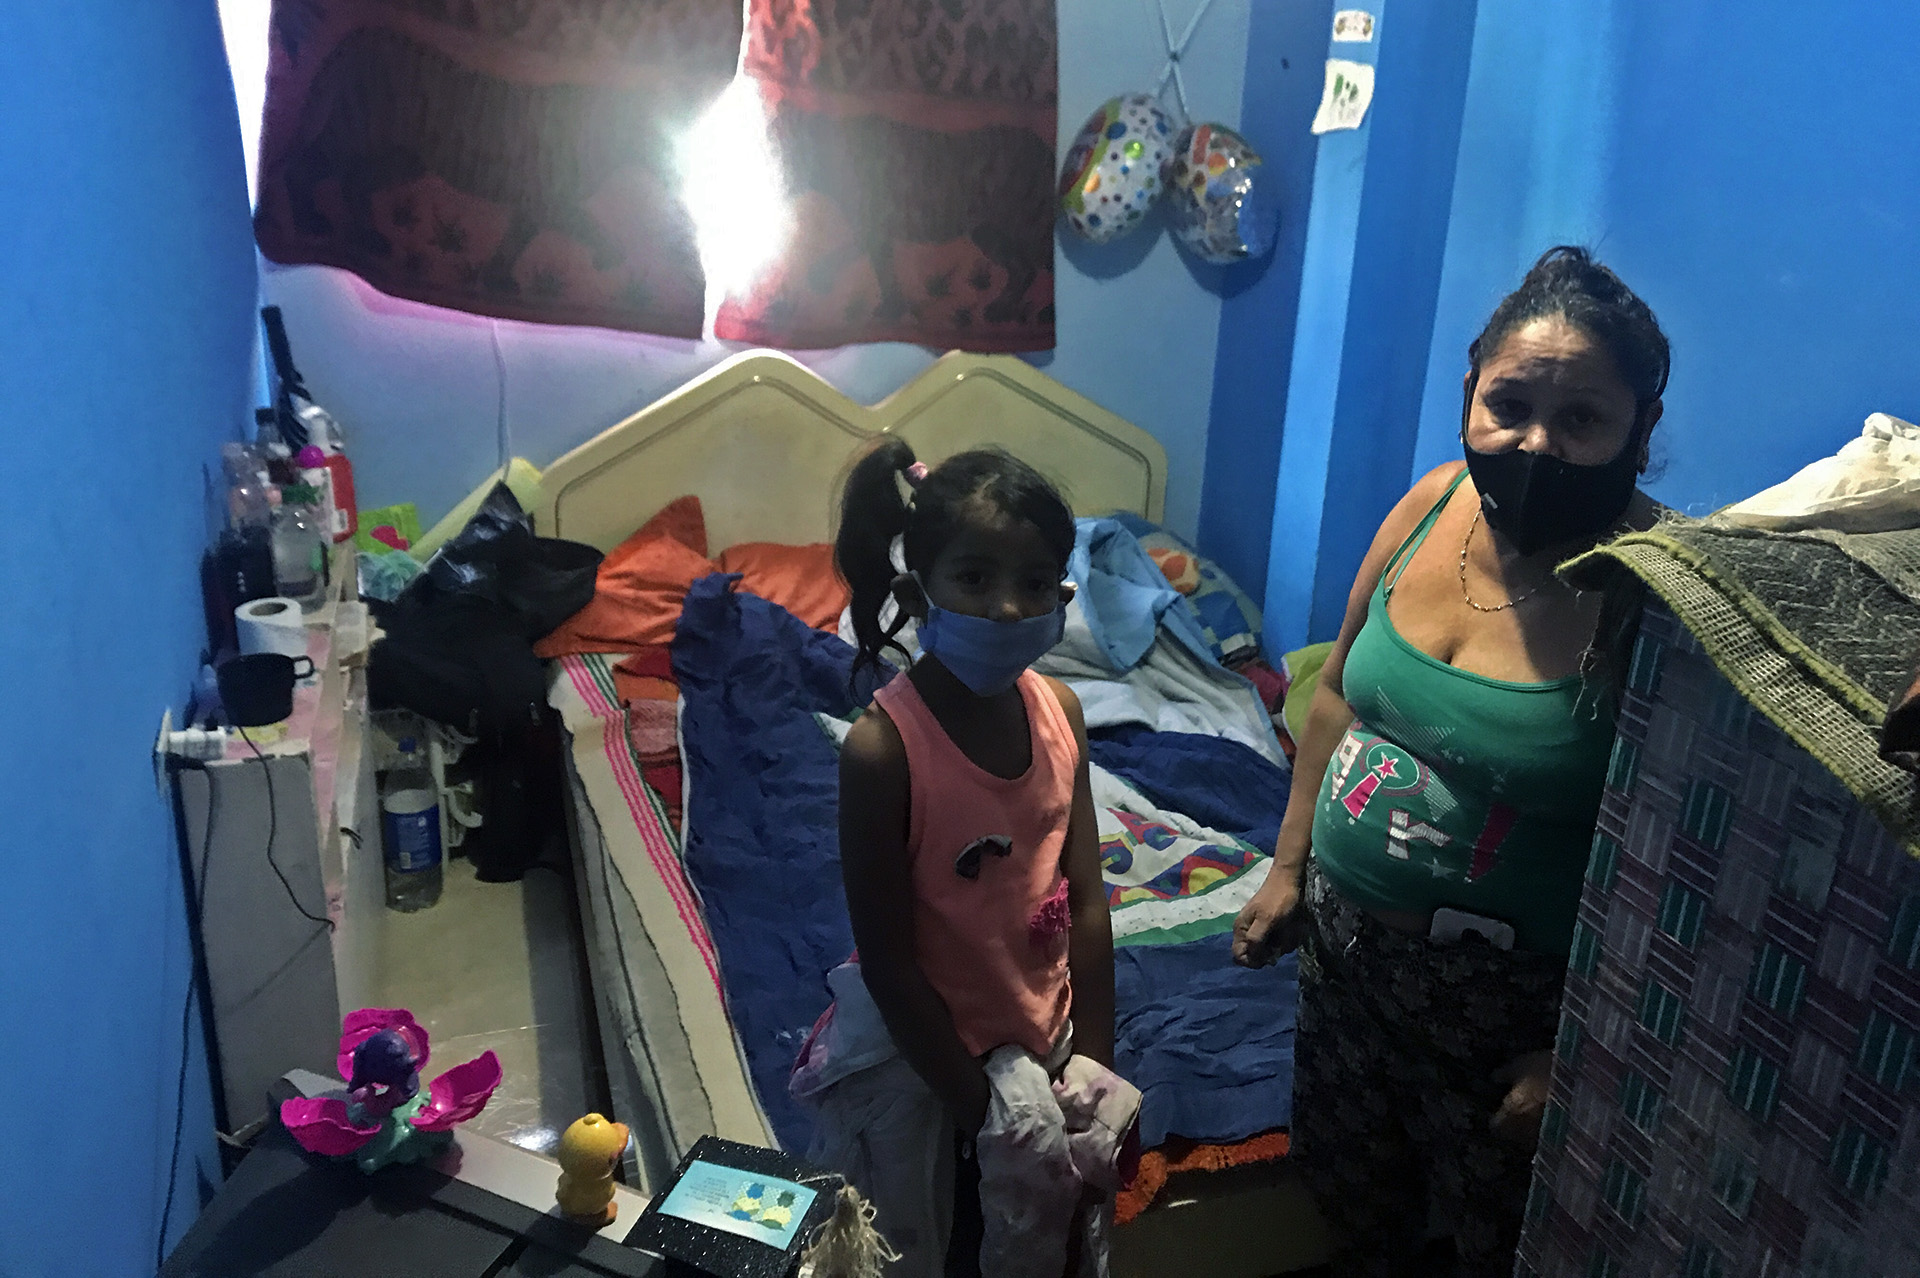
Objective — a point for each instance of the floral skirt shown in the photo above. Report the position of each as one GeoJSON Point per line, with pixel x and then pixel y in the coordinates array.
{"type": "Point", "coordinates": [1398, 1045]}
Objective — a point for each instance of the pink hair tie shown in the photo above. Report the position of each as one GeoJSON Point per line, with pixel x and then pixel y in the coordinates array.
{"type": "Point", "coordinates": [915, 474]}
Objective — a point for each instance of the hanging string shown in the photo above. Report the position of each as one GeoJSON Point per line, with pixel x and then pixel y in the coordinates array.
{"type": "Point", "coordinates": [1175, 52]}
{"type": "Point", "coordinates": [846, 1245]}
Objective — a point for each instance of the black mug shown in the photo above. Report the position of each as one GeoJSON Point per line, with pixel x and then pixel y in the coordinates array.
{"type": "Point", "coordinates": [257, 689]}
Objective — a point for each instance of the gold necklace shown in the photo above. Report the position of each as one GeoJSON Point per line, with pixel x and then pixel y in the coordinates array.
{"type": "Point", "coordinates": [1480, 607]}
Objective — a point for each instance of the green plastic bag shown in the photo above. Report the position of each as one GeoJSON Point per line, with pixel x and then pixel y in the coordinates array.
{"type": "Point", "coordinates": [1303, 673]}
{"type": "Point", "coordinates": [403, 519]}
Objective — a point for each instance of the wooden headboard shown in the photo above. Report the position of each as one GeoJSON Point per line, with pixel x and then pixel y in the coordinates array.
{"type": "Point", "coordinates": [765, 443]}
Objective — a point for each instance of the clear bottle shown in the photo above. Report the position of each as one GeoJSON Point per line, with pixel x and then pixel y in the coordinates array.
{"type": "Point", "coordinates": [274, 453]}
{"type": "Point", "coordinates": [299, 549]}
{"type": "Point", "coordinates": [246, 487]}
{"type": "Point", "coordinates": [410, 826]}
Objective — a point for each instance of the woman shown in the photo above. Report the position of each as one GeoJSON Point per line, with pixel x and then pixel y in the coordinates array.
{"type": "Point", "coordinates": [1445, 792]}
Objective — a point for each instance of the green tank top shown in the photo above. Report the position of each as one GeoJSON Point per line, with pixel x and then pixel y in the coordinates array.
{"type": "Point", "coordinates": [1453, 789]}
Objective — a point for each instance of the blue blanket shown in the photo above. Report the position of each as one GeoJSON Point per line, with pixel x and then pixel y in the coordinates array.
{"type": "Point", "coordinates": [1125, 596]}
{"type": "Point", "coordinates": [1222, 784]}
{"type": "Point", "coordinates": [762, 819]}
{"type": "Point", "coordinates": [1210, 1045]}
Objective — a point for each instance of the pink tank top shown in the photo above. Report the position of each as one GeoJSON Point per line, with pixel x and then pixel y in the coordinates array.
{"type": "Point", "coordinates": [989, 901]}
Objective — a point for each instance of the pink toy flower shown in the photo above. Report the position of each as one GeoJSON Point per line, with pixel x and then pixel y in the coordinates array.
{"type": "Point", "coordinates": [459, 1094]}
{"type": "Point", "coordinates": [382, 1051]}
{"type": "Point", "coordinates": [368, 1021]}
{"type": "Point", "coordinates": [322, 1125]}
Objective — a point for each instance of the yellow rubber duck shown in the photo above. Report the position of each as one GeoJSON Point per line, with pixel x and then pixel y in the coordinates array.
{"type": "Point", "coordinates": [589, 1152]}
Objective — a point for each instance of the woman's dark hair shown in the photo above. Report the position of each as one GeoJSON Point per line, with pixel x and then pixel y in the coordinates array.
{"type": "Point", "coordinates": [874, 510]}
{"type": "Point", "coordinates": [1566, 282]}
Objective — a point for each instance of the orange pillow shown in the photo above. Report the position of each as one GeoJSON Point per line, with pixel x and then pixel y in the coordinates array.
{"type": "Point", "coordinates": [640, 588]}
{"type": "Point", "coordinates": [800, 579]}
{"type": "Point", "coordinates": [681, 519]}
{"type": "Point", "coordinates": [1178, 567]}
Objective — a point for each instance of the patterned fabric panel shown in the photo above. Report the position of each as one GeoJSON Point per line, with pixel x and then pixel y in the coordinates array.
{"type": "Point", "coordinates": [504, 159]}
{"type": "Point", "coordinates": [1736, 1089]}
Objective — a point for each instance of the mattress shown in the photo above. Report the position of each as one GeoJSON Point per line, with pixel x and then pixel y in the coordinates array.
{"type": "Point", "coordinates": [665, 1028]}
{"type": "Point", "coordinates": [1733, 1090]}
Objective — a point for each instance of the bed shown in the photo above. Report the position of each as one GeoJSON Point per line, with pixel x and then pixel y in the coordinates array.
{"type": "Point", "coordinates": [702, 834]}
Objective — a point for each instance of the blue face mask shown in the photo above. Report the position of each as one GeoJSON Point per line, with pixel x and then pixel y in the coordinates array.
{"type": "Point", "coordinates": [987, 655]}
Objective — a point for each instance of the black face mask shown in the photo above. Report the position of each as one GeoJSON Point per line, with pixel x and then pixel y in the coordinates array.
{"type": "Point", "coordinates": [1536, 501]}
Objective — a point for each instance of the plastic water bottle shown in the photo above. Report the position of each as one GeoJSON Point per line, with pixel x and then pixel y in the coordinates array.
{"type": "Point", "coordinates": [411, 825]}
{"type": "Point", "coordinates": [299, 550]}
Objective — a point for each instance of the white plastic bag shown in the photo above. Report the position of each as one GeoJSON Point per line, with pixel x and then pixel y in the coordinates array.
{"type": "Point", "coordinates": [1871, 485]}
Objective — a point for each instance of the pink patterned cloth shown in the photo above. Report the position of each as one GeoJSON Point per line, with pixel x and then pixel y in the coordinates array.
{"type": "Point", "coordinates": [1048, 1141]}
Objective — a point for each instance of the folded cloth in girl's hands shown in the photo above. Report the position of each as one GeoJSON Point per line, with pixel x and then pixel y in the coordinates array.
{"type": "Point", "coordinates": [1043, 1145]}
{"type": "Point", "coordinates": [1101, 1112]}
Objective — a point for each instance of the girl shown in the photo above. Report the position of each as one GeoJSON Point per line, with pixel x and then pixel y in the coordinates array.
{"type": "Point", "coordinates": [968, 843]}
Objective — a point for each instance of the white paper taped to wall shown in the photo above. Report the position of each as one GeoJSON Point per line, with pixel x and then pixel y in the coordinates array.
{"type": "Point", "coordinates": [1353, 26]}
{"type": "Point", "coordinates": [1346, 96]}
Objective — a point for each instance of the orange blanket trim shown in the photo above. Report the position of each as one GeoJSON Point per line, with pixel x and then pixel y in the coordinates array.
{"type": "Point", "coordinates": [1181, 1155]}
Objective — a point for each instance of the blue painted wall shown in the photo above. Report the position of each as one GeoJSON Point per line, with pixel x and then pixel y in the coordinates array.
{"type": "Point", "coordinates": [126, 296]}
{"type": "Point", "coordinates": [1536, 133]}
{"type": "Point", "coordinates": [1752, 170]}
{"type": "Point", "coordinates": [1749, 169]}
{"type": "Point", "coordinates": [1374, 256]}
{"type": "Point", "coordinates": [1286, 48]}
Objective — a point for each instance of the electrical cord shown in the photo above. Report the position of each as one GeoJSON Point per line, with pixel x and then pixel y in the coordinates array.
{"type": "Point", "coordinates": [273, 828]}
{"type": "Point", "coordinates": [199, 893]}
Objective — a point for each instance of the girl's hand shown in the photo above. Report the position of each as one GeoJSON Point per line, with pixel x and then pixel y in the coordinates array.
{"type": "Point", "coordinates": [1271, 924]}
{"type": "Point", "coordinates": [1518, 1118]}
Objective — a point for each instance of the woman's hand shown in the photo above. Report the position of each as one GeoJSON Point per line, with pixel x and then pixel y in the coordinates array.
{"type": "Point", "coordinates": [1271, 924]}
{"type": "Point", "coordinates": [1518, 1118]}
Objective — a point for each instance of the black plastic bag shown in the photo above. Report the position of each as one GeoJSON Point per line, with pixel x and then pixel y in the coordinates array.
{"type": "Point", "coordinates": [458, 649]}
{"type": "Point", "coordinates": [459, 639]}
{"type": "Point", "coordinates": [497, 560]}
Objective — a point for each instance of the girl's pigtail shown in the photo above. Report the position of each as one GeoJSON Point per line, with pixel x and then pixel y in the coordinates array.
{"type": "Point", "coordinates": [872, 514]}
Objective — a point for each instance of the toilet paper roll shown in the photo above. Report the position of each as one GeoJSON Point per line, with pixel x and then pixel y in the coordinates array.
{"type": "Point", "coordinates": [271, 625]}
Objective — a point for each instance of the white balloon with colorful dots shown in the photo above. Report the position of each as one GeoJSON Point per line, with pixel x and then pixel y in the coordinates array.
{"type": "Point", "coordinates": [1220, 196]}
{"type": "Point", "coordinates": [1112, 174]}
